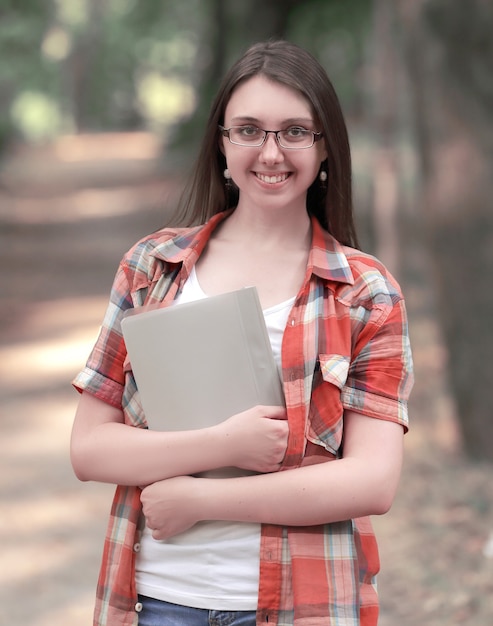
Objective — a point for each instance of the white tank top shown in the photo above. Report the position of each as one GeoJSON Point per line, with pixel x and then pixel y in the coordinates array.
{"type": "Point", "coordinates": [214, 565]}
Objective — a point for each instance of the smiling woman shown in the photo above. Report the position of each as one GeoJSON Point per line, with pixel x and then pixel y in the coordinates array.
{"type": "Point", "coordinates": [289, 541]}
{"type": "Point", "coordinates": [267, 164]}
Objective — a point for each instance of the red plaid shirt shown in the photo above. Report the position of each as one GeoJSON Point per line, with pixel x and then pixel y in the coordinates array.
{"type": "Point", "coordinates": [345, 346]}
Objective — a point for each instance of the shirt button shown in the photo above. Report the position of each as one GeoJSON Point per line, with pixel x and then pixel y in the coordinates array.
{"type": "Point", "coordinates": [136, 547]}
{"type": "Point", "coordinates": [138, 607]}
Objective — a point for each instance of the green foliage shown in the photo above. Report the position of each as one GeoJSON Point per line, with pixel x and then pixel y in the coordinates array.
{"type": "Point", "coordinates": [122, 64]}
{"type": "Point", "coordinates": [336, 32]}
{"type": "Point", "coordinates": [21, 33]}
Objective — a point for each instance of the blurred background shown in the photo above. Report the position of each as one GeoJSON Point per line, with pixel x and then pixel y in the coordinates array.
{"type": "Point", "coordinates": [102, 104]}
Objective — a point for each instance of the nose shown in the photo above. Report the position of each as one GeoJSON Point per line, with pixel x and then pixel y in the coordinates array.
{"type": "Point", "coordinates": [271, 150]}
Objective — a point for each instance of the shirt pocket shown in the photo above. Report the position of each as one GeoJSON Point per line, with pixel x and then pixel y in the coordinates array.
{"type": "Point", "coordinates": [325, 418]}
{"type": "Point", "coordinates": [334, 368]}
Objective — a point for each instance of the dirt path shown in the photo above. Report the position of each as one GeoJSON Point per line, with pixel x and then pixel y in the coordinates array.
{"type": "Point", "coordinates": [58, 254]}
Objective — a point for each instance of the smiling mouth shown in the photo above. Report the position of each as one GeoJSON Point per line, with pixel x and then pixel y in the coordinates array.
{"type": "Point", "coordinates": [273, 178]}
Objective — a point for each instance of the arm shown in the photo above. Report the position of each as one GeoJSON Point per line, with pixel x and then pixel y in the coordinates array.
{"type": "Point", "coordinates": [363, 482]}
{"type": "Point", "coordinates": [105, 449]}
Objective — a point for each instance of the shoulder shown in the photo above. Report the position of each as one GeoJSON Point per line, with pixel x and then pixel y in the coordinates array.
{"type": "Point", "coordinates": [373, 282]}
{"type": "Point", "coordinates": [374, 301]}
{"type": "Point", "coordinates": [168, 244]}
{"type": "Point", "coordinates": [355, 277]}
{"type": "Point", "coordinates": [152, 255]}
{"type": "Point", "coordinates": [153, 243]}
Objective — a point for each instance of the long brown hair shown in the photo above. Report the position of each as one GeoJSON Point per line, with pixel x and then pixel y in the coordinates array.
{"type": "Point", "coordinates": [290, 65]}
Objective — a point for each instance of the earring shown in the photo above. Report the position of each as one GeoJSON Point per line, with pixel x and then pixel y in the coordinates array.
{"type": "Point", "coordinates": [228, 184]}
{"type": "Point", "coordinates": [322, 176]}
{"type": "Point", "coordinates": [228, 181]}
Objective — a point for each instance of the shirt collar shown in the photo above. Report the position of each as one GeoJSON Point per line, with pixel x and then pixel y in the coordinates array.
{"type": "Point", "coordinates": [186, 245]}
{"type": "Point", "coordinates": [327, 257]}
{"type": "Point", "coordinates": [326, 260]}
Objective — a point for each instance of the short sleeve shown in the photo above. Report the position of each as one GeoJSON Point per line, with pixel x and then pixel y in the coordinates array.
{"type": "Point", "coordinates": [380, 376]}
{"type": "Point", "coordinates": [103, 375]}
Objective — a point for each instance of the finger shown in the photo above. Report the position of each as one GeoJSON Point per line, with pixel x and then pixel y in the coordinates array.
{"type": "Point", "coordinates": [274, 412]}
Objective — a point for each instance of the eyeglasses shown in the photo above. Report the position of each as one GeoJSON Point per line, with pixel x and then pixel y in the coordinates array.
{"type": "Point", "coordinates": [293, 138]}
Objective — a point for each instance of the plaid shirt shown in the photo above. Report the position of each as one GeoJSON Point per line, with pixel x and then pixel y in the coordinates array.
{"type": "Point", "coordinates": [345, 346]}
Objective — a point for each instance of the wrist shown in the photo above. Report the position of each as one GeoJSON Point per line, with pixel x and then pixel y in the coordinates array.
{"type": "Point", "coordinates": [199, 498]}
{"type": "Point", "coordinates": [222, 446]}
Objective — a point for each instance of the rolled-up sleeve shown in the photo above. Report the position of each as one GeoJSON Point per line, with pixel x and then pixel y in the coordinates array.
{"type": "Point", "coordinates": [380, 377]}
{"type": "Point", "coordinates": [103, 375]}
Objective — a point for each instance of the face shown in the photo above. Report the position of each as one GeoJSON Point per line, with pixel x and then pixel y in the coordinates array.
{"type": "Point", "coordinates": [270, 176]}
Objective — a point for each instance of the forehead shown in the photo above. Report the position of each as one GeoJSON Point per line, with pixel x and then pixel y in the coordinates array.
{"type": "Point", "coordinates": [260, 98]}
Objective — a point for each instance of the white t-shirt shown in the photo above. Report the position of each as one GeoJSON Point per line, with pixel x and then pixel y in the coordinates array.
{"type": "Point", "coordinates": [214, 565]}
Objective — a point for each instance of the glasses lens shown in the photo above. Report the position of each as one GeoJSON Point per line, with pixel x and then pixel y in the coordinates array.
{"type": "Point", "coordinates": [296, 138]}
{"type": "Point", "coordinates": [246, 135]}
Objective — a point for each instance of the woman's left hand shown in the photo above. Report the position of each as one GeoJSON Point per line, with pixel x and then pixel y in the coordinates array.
{"type": "Point", "coordinates": [169, 506]}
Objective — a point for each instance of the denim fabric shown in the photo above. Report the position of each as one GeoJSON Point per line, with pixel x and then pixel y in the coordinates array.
{"type": "Point", "coordinates": [158, 613]}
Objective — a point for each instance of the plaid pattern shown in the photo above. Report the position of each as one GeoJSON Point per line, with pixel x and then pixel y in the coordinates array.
{"type": "Point", "coordinates": [345, 346]}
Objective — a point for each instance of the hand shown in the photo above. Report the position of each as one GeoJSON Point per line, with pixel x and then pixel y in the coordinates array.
{"type": "Point", "coordinates": [169, 507]}
{"type": "Point", "coordinates": [257, 438]}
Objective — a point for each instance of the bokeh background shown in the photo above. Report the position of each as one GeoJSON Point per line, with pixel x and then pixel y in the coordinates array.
{"type": "Point", "coordinates": [102, 104]}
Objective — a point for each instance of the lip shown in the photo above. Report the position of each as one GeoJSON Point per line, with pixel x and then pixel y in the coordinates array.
{"type": "Point", "coordinates": [272, 178]}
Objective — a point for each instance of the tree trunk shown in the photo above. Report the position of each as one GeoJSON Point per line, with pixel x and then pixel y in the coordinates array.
{"type": "Point", "coordinates": [386, 127]}
{"type": "Point", "coordinates": [235, 26]}
{"type": "Point", "coordinates": [80, 67]}
{"type": "Point", "coordinates": [450, 62]}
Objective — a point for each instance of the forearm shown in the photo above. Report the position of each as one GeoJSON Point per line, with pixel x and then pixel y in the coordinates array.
{"type": "Point", "coordinates": [120, 454]}
{"type": "Point", "coordinates": [363, 482]}
{"type": "Point", "coordinates": [325, 493]}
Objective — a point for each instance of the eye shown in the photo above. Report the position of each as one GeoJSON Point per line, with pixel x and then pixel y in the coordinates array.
{"type": "Point", "coordinates": [249, 131]}
{"type": "Point", "coordinates": [296, 132]}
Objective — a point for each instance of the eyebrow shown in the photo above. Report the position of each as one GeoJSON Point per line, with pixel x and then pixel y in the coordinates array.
{"type": "Point", "coordinates": [287, 122]}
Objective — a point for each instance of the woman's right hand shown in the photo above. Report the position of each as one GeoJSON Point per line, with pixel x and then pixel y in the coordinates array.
{"type": "Point", "coordinates": [257, 438]}
{"type": "Point", "coordinates": [105, 449]}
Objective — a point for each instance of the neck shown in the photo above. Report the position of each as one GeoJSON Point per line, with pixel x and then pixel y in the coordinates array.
{"type": "Point", "coordinates": [263, 229]}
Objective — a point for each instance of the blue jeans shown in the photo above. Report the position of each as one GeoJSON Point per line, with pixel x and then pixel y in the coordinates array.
{"type": "Point", "coordinates": [158, 613]}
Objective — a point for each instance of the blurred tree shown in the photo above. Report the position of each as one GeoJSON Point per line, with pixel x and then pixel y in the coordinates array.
{"type": "Point", "coordinates": [81, 66]}
{"type": "Point", "coordinates": [385, 122]}
{"type": "Point", "coordinates": [129, 59]}
{"type": "Point", "coordinates": [332, 30]}
{"type": "Point", "coordinates": [92, 65]}
{"type": "Point", "coordinates": [337, 34]}
{"type": "Point", "coordinates": [450, 61]}
{"type": "Point", "coordinates": [21, 31]}
{"type": "Point", "coordinates": [234, 26]}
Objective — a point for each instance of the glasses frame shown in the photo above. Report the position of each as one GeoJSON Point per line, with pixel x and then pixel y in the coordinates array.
{"type": "Point", "coordinates": [225, 132]}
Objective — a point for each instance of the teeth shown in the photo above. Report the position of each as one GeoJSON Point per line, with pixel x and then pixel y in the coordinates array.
{"type": "Point", "coordinates": [272, 179]}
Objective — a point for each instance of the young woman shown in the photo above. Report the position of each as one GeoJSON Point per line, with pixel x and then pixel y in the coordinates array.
{"type": "Point", "coordinates": [291, 543]}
